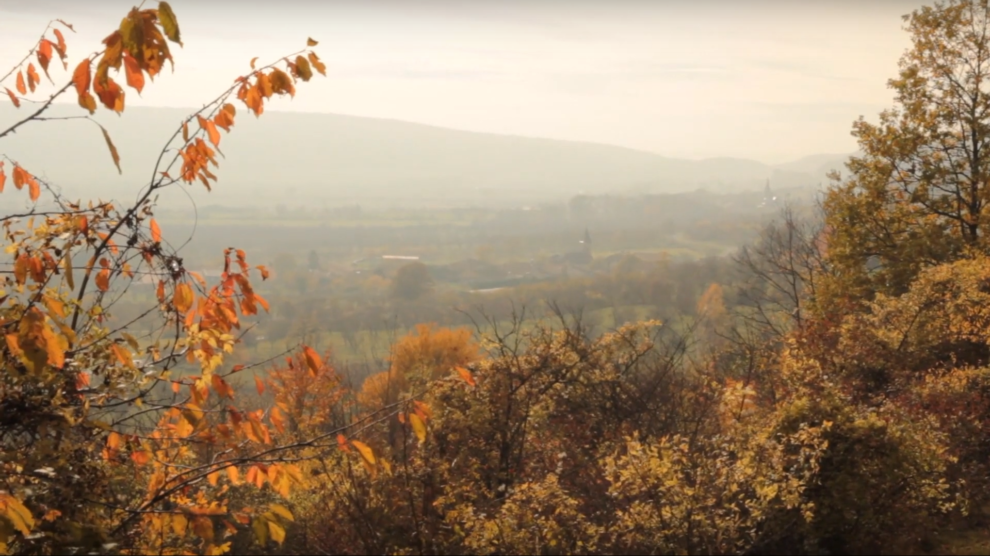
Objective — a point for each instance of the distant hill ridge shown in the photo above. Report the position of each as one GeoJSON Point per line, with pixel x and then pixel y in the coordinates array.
{"type": "Point", "coordinates": [301, 158]}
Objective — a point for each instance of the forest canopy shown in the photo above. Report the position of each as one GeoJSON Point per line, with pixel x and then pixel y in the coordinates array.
{"type": "Point", "coordinates": [828, 393]}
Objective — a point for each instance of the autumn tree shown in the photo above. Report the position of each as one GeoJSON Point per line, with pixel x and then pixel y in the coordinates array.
{"type": "Point", "coordinates": [918, 194]}
{"type": "Point", "coordinates": [112, 441]}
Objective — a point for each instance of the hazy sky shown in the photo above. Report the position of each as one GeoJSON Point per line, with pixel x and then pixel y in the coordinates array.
{"type": "Point", "coordinates": [770, 80]}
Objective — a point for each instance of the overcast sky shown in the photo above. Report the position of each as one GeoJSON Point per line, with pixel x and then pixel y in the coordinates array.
{"type": "Point", "coordinates": [771, 80]}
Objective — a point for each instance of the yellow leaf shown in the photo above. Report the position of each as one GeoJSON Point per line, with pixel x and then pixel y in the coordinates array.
{"type": "Point", "coordinates": [15, 512]}
{"type": "Point", "coordinates": [169, 23]}
{"type": "Point", "coordinates": [281, 511]}
{"type": "Point", "coordinates": [113, 149]}
{"type": "Point", "coordinates": [217, 550]}
{"type": "Point", "coordinates": [277, 532]}
{"type": "Point", "coordinates": [260, 528]}
{"type": "Point", "coordinates": [55, 306]}
{"type": "Point", "coordinates": [179, 524]}
{"type": "Point", "coordinates": [183, 297]}
{"type": "Point", "coordinates": [418, 427]}
{"type": "Point", "coordinates": [365, 451]}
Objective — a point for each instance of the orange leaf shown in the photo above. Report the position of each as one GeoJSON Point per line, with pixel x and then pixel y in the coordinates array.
{"type": "Point", "coordinates": [141, 457]}
{"type": "Point", "coordinates": [198, 277]}
{"type": "Point", "coordinates": [81, 76]}
{"type": "Point", "coordinates": [45, 53]}
{"type": "Point", "coordinates": [277, 420]}
{"type": "Point", "coordinates": [342, 443]}
{"type": "Point", "coordinates": [261, 301]}
{"type": "Point", "coordinates": [223, 120]}
{"type": "Point", "coordinates": [22, 178]}
{"type": "Point", "coordinates": [135, 78]}
{"type": "Point", "coordinates": [33, 78]}
{"type": "Point", "coordinates": [156, 232]}
{"type": "Point", "coordinates": [311, 42]}
{"type": "Point", "coordinates": [259, 385]}
{"type": "Point", "coordinates": [103, 280]}
{"type": "Point", "coordinates": [3, 177]}
{"type": "Point", "coordinates": [233, 476]}
{"type": "Point", "coordinates": [465, 374]}
{"type": "Point", "coordinates": [13, 98]}
{"type": "Point", "coordinates": [221, 387]}
{"type": "Point", "coordinates": [211, 130]}
{"type": "Point", "coordinates": [87, 101]}
{"type": "Point", "coordinates": [317, 64]}
{"type": "Point", "coordinates": [60, 46]}
{"type": "Point", "coordinates": [20, 84]}
{"type": "Point", "coordinates": [113, 441]}
{"type": "Point", "coordinates": [313, 360]}
{"type": "Point", "coordinates": [423, 410]}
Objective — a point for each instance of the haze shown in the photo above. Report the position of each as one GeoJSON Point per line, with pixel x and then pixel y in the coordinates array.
{"type": "Point", "coordinates": [769, 80]}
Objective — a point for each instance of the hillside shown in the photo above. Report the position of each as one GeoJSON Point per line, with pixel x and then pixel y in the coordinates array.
{"type": "Point", "coordinates": [326, 158]}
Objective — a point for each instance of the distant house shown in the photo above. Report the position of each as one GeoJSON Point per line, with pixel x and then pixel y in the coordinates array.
{"type": "Point", "coordinates": [582, 257]}
{"type": "Point", "coordinates": [769, 199]}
